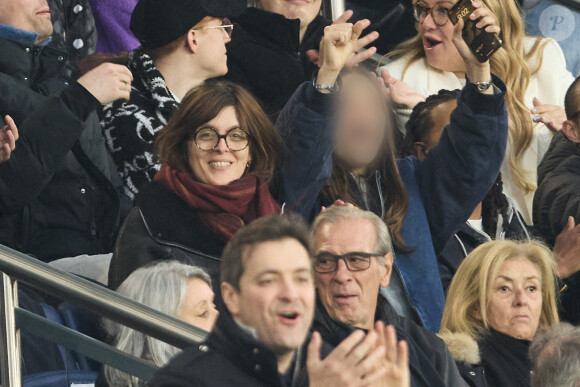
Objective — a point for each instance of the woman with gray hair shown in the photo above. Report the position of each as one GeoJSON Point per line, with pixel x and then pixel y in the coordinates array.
{"type": "Point", "coordinates": [174, 288]}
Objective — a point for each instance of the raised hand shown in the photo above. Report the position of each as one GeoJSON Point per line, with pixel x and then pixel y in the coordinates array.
{"type": "Point", "coordinates": [400, 92]}
{"type": "Point", "coordinates": [317, 57]}
{"type": "Point", "coordinates": [476, 71]}
{"type": "Point", "coordinates": [553, 116]}
{"type": "Point", "coordinates": [108, 82]}
{"type": "Point", "coordinates": [396, 360]}
{"type": "Point", "coordinates": [8, 138]}
{"type": "Point", "coordinates": [354, 362]}
{"type": "Point", "coordinates": [567, 250]}
{"type": "Point", "coordinates": [338, 44]}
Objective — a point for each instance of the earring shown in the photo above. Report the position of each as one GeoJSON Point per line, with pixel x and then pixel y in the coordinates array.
{"type": "Point", "coordinates": [248, 164]}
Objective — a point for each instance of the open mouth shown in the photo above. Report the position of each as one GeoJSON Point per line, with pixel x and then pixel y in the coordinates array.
{"type": "Point", "coordinates": [220, 164]}
{"type": "Point", "coordinates": [344, 298]}
{"type": "Point", "coordinates": [289, 317]}
{"type": "Point", "coordinates": [429, 43]}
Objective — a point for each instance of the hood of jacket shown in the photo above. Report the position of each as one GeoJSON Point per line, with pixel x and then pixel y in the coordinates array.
{"type": "Point", "coordinates": [462, 347]}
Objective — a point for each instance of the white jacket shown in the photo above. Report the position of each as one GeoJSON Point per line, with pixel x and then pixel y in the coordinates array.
{"type": "Point", "coordinates": [549, 84]}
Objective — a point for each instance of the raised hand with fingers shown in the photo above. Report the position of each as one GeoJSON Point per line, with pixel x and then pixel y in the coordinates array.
{"type": "Point", "coordinates": [108, 82]}
{"type": "Point", "coordinates": [567, 249]}
{"type": "Point", "coordinates": [553, 116]}
{"type": "Point", "coordinates": [8, 138]}
{"type": "Point", "coordinates": [476, 71]}
{"type": "Point", "coordinates": [396, 360]}
{"type": "Point", "coordinates": [354, 362]}
{"type": "Point", "coordinates": [400, 92]}
{"type": "Point", "coordinates": [359, 55]}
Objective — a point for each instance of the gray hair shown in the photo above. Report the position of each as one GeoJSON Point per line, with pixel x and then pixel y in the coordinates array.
{"type": "Point", "coordinates": [335, 214]}
{"type": "Point", "coordinates": [555, 355]}
{"type": "Point", "coordinates": [161, 286]}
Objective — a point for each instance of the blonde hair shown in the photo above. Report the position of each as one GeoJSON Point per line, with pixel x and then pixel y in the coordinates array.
{"type": "Point", "coordinates": [510, 64]}
{"type": "Point", "coordinates": [470, 290]}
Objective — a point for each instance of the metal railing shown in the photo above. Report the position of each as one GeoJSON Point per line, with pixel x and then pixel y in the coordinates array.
{"type": "Point", "coordinates": [19, 268]}
{"type": "Point", "coordinates": [331, 9]}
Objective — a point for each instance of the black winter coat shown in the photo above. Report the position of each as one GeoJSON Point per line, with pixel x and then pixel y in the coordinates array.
{"type": "Point", "coordinates": [430, 362]}
{"type": "Point", "coordinates": [558, 194]}
{"type": "Point", "coordinates": [231, 357]}
{"type": "Point", "coordinates": [266, 56]}
{"type": "Point", "coordinates": [58, 191]}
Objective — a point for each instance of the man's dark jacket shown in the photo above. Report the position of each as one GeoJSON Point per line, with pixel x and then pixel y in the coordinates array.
{"type": "Point", "coordinates": [266, 56]}
{"type": "Point", "coordinates": [430, 362]}
{"type": "Point", "coordinates": [230, 357]}
{"type": "Point", "coordinates": [58, 191]}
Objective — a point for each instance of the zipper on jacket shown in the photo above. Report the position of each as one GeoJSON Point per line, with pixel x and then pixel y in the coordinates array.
{"type": "Point", "coordinates": [381, 198]}
{"type": "Point", "coordinates": [409, 301]}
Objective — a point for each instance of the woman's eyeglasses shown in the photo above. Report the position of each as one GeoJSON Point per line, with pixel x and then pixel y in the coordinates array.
{"type": "Point", "coordinates": [439, 12]}
{"type": "Point", "coordinates": [207, 138]}
{"type": "Point", "coordinates": [226, 25]}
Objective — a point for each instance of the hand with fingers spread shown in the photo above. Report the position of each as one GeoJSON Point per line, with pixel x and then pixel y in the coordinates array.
{"type": "Point", "coordinates": [359, 55]}
{"type": "Point", "coordinates": [108, 82]}
{"type": "Point", "coordinates": [8, 138]}
{"type": "Point", "coordinates": [400, 92]}
{"type": "Point", "coordinates": [553, 116]}
{"type": "Point", "coordinates": [567, 250]}
{"type": "Point", "coordinates": [476, 71]}
{"type": "Point", "coordinates": [354, 362]}
{"type": "Point", "coordinates": [396, 359]}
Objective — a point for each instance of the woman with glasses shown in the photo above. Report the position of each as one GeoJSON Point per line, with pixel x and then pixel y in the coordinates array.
{"type": "Point", "coordinates": [223, 165]}
{"type": "Point", "coordinates": [534, 70]}
{"type": "Point", "coordinates": [183, 43]}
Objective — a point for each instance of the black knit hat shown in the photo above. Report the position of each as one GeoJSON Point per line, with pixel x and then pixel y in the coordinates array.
{"type": "Point", "coordinates": [159, 22]}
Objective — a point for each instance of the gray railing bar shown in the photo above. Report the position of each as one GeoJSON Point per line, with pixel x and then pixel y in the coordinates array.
{"type": "Point", "coordinates": [98, 299]}
{"type": "Point", "coordinates": [41, 327]}
{"type": "Point", "coordinates": [10, 335]}
{"type": "Point", "coordinates": [332, 9]}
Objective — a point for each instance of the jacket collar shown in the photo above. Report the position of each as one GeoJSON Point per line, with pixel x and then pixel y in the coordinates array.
{"type": "Point", "coordinates": [150, 82]}
{"type": "Point", "coordinates": [279, 31]}
{"type": "Point", "coordinates": [252, 356]}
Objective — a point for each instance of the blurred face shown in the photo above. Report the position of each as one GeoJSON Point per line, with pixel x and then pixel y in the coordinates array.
{"type": "Point", "coordinates": [221, 165]}
{"type": "Point", "coordinates": [27, 15]}
{"type": "Point", "coordinates": [441, 116]}
{"type": "Point", "coordinates": [276, 295]}
{"type": "Point", "coordinates": [351, 297]}
{"type": "Point", "coordinates": [439, 48]}
{"type": "Point", "coordinates": [198, 308]}
{"type": "Point", "coordinates": [211, 47]}
{"type": "Point", "coordinates": [305, 10]}
{"type": "Point", "coordinates": [361, 123]}
{"type": "Point", "coordinates": [515, 305]}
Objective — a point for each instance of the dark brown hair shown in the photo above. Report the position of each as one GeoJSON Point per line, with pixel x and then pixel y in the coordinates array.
{"type": "Point", "coordinates": [266, 229]}
{"type": "Point", "coordinates": [202, 104]}
{"type": "Point", "coordinates": [395, 198]}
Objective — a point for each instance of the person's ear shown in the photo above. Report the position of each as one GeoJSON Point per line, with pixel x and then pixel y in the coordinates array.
{"type": "Point", "coordinates": [388, 269]}
{"type": "Point", "coordinates": [571, 130]}
{"type": "Point", "coordinates": [420, 149]}
{"type": "Point", "coordinates": [231, 298]}
{"type": "Point", "coordinates": [191, 41]}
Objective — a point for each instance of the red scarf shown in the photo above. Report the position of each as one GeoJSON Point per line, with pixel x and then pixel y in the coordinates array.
{"type": "Point", "coordinates": [224, 208]}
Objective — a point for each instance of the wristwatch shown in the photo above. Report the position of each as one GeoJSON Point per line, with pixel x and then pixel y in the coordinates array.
{"type": "Point", "coordinates": [483, 86]}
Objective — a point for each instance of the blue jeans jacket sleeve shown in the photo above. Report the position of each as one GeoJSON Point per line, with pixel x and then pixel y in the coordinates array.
{"type": "Point", "coordinates": [461, 169]}
{"type": "Point", "coordinates": [305, 125]}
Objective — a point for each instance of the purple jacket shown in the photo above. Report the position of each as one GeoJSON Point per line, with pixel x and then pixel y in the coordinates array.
{"type": "Point", "coordinates": [112, 19]}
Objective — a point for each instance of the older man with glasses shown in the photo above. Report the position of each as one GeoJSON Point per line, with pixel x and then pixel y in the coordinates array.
{"type": "Point", "coordinates": [183, 43]}
{"type": "Point", "coordinates": [353, 260]}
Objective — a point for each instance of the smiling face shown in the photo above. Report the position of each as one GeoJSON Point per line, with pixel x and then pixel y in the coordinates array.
{"type": "Point", "coordinates": [305, 10]}
{"type": "Point", "coordinates": [515, 303]}
{"type": "Point", "coordinates": [220, 166]}
{"type": "Point", "coordinates": [440, 51]}
{"type": "Point", "coordinates": [197, 307]}
{"type": "Point", "coordinates": [211, 47]}
{"type": "Point", "coordinates": [351, 297]}
{"type": "Point", "coordinates": [276, 294]}
{"type": "Point", "coordinates": [27, 15]}
{"type": "Point", "coordinates": [362, 122]}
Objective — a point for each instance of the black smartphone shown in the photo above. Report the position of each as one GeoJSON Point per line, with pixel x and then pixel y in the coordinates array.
{"type": "Point", "coordinates": [482, 44]}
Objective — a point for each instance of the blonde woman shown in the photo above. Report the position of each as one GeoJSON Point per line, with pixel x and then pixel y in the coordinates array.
{"type": "Point", "coordinates": [533, 69]}
{"type": "Point", "coordinates": [502, 294]}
